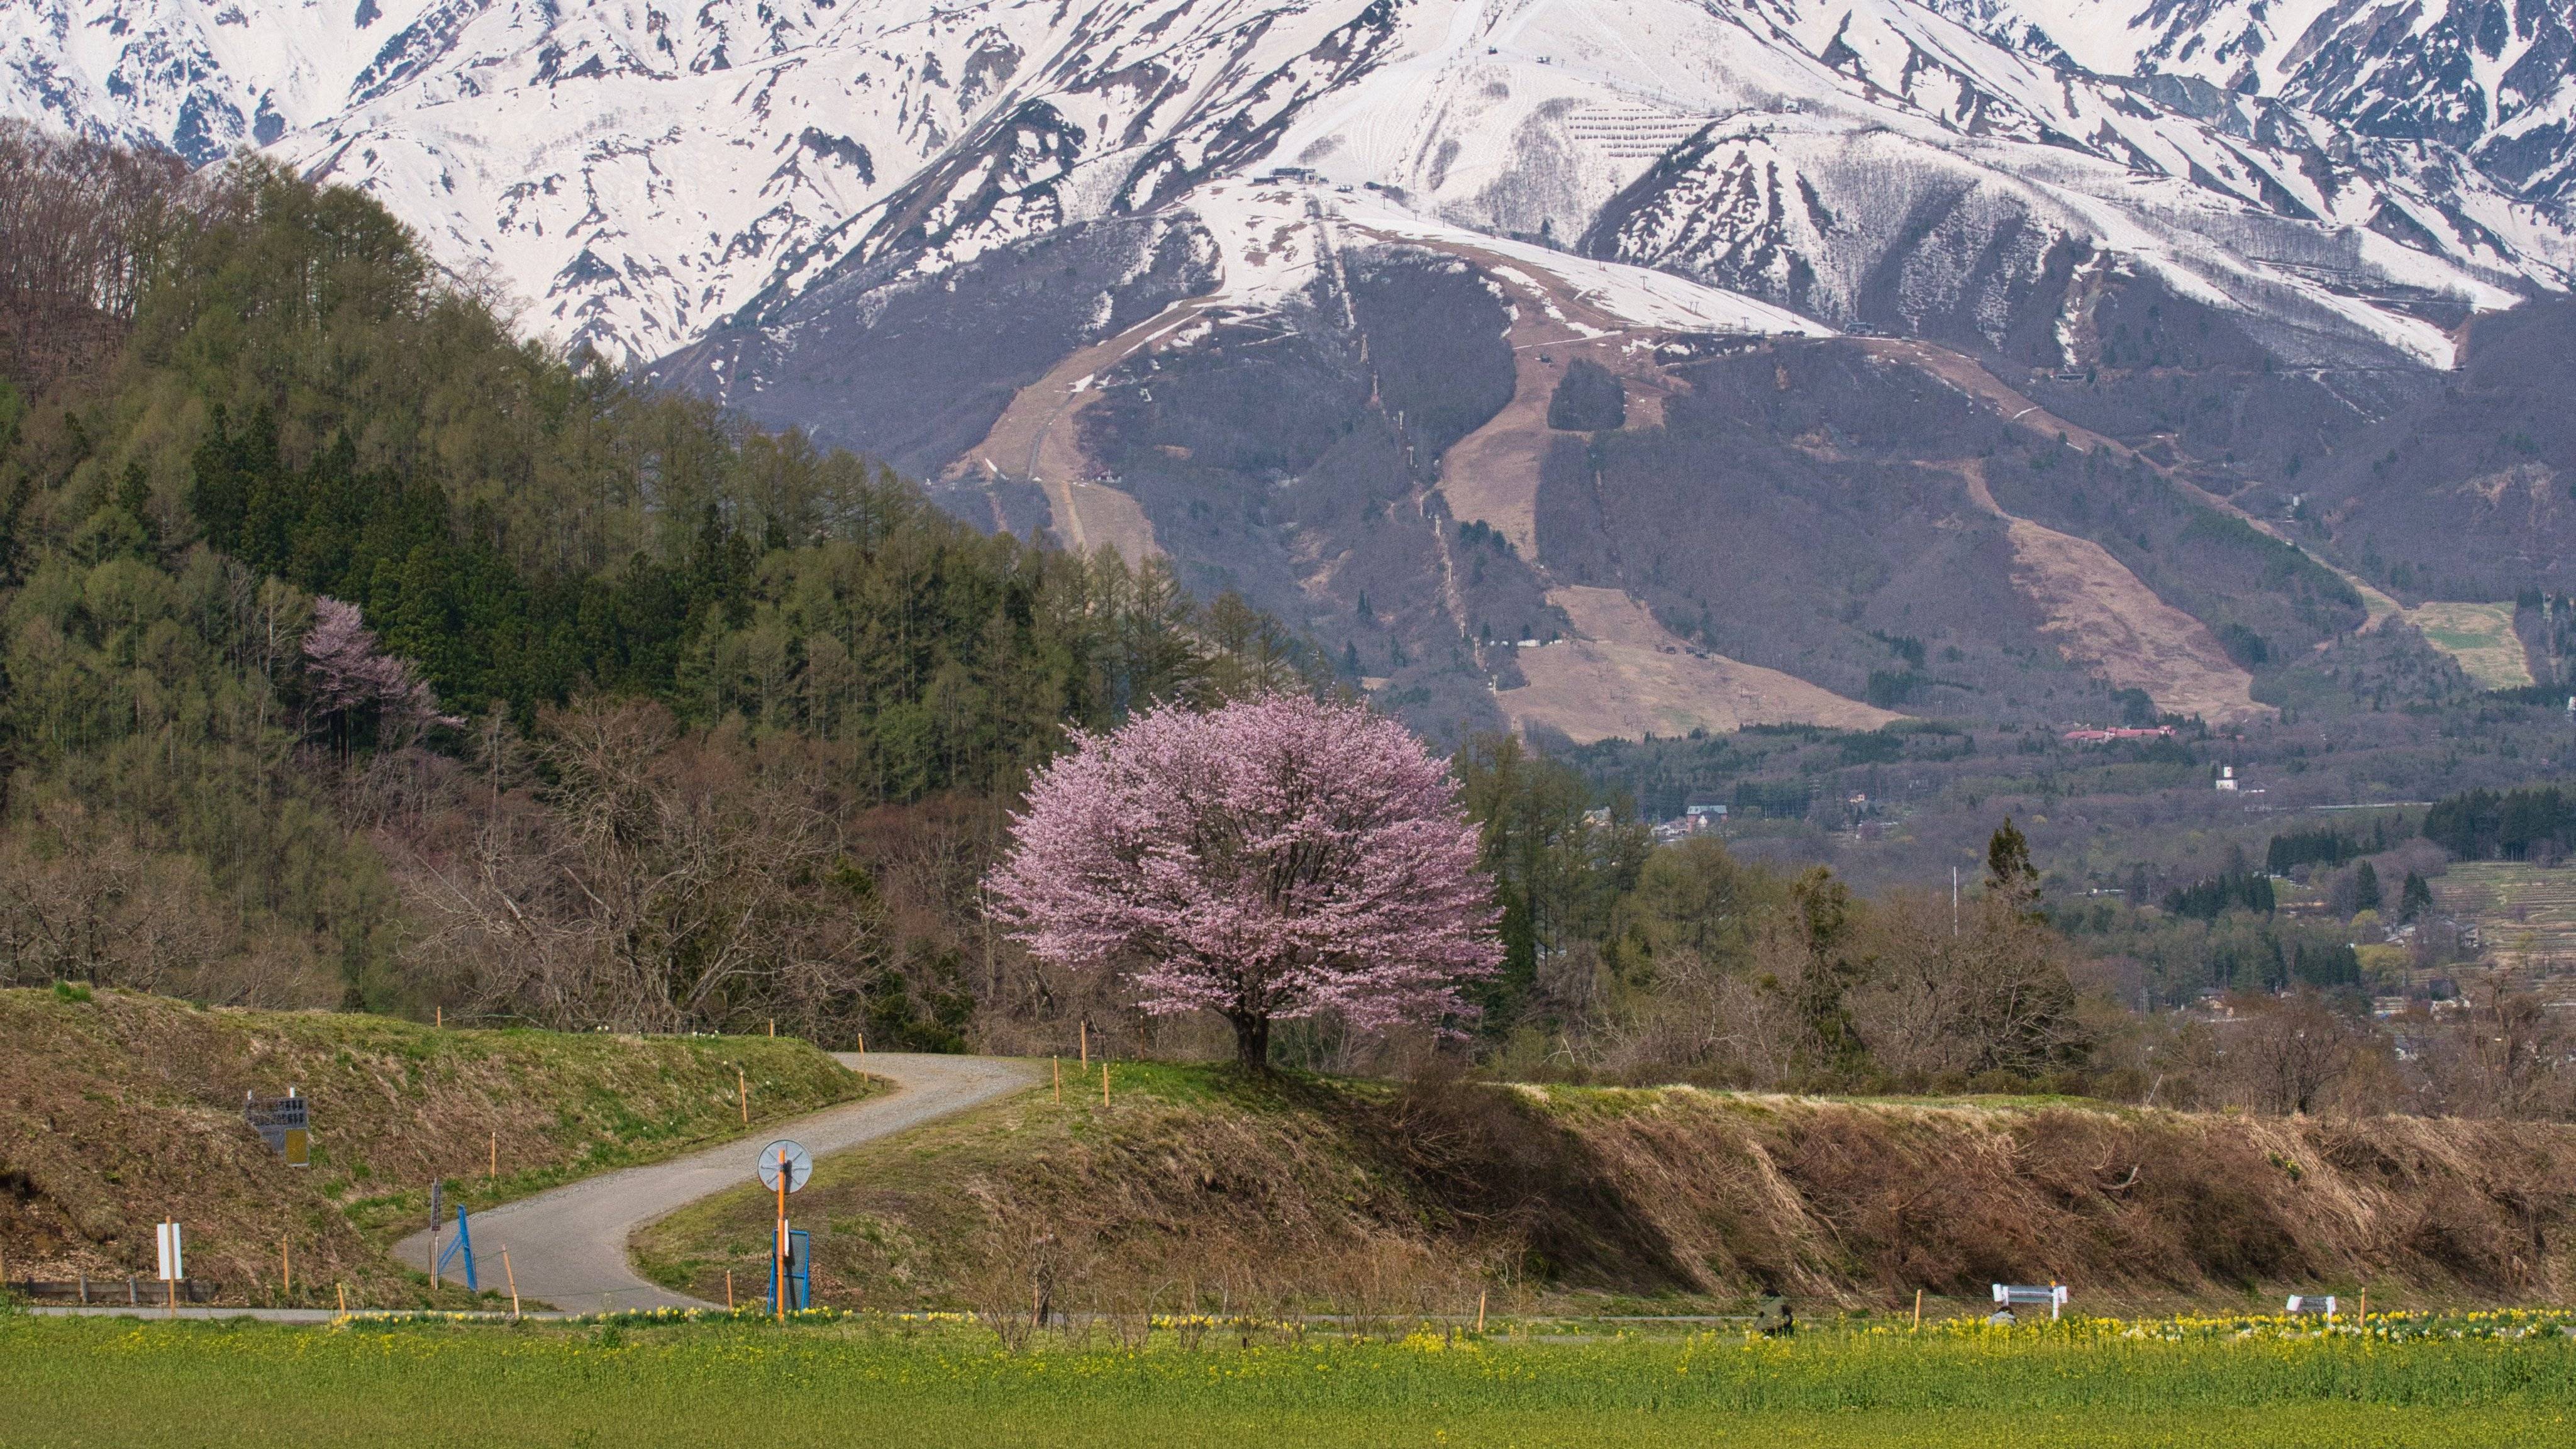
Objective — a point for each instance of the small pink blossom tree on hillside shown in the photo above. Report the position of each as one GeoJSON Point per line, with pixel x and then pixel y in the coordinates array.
{"type": "Point", "coordinates": [1273, 859]}
{"type": "Point", "coordinates": [349, 674]}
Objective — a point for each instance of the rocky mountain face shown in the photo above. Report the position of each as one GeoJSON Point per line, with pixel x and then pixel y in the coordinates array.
{"type": "Point", "coordinates": [1601, 367]}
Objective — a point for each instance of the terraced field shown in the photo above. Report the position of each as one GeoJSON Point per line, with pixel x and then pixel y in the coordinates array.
{"type": "Point", "coordinates": [2526, 913]}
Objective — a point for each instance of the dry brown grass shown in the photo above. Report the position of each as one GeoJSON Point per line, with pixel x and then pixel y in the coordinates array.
{"type": "Point", "coordinates": [1378, 1204]}
{"type": "Point", "coordinates": [119, 1111]}
{"type": "Point", "coordinates": [1039, 437]}
{"type": "Point", "coordinates": [1623, 675]}
{"type": "Point", "coordinates": [2102, 616]}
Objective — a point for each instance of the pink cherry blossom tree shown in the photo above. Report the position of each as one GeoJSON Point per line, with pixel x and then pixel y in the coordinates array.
{"type": "Point", "coordinates": [347, 674]}
{"type": "Point", "coordinates": [1276, 858]}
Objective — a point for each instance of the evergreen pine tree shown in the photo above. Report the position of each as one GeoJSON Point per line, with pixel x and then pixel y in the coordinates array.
{"type": "Point", "coordinates": [2414, 899]}
{"type": "Point", "coordinates": [2009, 873]}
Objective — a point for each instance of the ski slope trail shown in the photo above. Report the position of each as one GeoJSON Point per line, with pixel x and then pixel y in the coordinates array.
{"type": "Point", "coordinates": [568, 1246]}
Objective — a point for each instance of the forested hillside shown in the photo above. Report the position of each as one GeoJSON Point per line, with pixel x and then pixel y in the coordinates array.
{"type": "Point", "coordinates": [282, 502]}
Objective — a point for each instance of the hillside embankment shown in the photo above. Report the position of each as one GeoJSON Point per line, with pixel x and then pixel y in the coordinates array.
{"type": "Point", "coordinates": [1192, 1185]}
{"type": "Point", "coordinates": [124, 1109]}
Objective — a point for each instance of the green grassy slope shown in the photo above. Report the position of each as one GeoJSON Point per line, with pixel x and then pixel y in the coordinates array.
{"type": "Point", "coordinates": [119, 1110]}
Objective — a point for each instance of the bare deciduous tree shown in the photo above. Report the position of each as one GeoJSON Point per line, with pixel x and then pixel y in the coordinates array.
{"type": "Point", "coordinates": [665, 881]}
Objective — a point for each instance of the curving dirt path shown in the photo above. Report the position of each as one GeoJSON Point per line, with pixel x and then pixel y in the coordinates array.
{"type": "Point", "coordinates": [568, 1246]}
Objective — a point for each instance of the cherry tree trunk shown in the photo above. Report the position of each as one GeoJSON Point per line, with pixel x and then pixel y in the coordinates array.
{"type": "Point", "coordinates": [1251, 1042]}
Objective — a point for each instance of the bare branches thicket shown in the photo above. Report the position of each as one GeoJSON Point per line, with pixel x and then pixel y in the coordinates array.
{"type": "Point", "coordinates": [2505, 1054]}
{"type": "Point", "coordinates": [82, 225]}
{"type": "Point", "coordinates": [82, 899]}
{"type": "Point", "coordinates": [665, 881]}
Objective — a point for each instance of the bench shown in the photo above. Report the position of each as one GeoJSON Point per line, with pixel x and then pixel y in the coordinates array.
{"type": "Point", "coordinates": [2009, 1296]}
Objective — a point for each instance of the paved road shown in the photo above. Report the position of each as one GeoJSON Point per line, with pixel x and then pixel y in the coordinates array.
{"type": "Point", "coordinates": [568, 1246]}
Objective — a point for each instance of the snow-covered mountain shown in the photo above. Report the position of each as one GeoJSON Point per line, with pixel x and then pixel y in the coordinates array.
{"type": "Point", "coordinates": [2482, 79]}
{"type": "Point", "coordinates": [2349, 176]}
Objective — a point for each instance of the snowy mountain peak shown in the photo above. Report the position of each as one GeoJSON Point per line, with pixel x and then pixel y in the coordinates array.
{"type": "Point", "coordinates": [636, 174]}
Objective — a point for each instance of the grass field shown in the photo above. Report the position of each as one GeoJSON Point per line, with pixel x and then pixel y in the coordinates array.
{"type": "Point", "coordinates": [2479, 636]}
{"type": "Point", "coordinates": [2503, 1380]}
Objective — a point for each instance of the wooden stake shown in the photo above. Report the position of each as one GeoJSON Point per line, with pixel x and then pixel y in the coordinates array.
{"type": "Point", "coordinates": [285, 1269]}
{"type": "Point", "coordinates": [1058, 1063]}
{"type": "Point", "coordinates": [1918, 1310]}
{"type": "Point", "coordinates": [344, 1300]}
{"type": "Point", "coordinates": [2365, 1310]}
{"type": "Point", "coordinates": [512, 1274]}
{"type": "Point", "coordinates": [863, 1043]}
{"type": "Point", "coordinates": [1480, 1310]}
{"type": "Point", "coordinates": [1086, 1048]}
{"type": "Point", "coordinates": [773, 1026]}
{"type": "Point", "coordinates": [1104, 1084]}
{"type": "Point", "coordinates": [442, 1017]}
{"type": "Point", "coordinates": [728, 1290]}
{"type": "Point", "coordinates": [742, 1088]}
{"type": "Point", "coordinates": [492, 1171]}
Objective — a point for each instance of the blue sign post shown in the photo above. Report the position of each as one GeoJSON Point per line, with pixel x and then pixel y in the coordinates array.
{"type": "Point", "coordinates": [463, 1247]}
{"type": "Point", "coordinates": [800, 1272]}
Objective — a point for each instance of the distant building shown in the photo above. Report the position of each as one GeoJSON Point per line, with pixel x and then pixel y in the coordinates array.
{"type": "Point", "coordinates": [2091, 736]}
{"type": "Point", "coordinates": [2227, 777]}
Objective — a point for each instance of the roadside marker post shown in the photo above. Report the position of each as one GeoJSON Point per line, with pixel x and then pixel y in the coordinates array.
{"type": "Point", "coordinates": [462, 1247]}
{"type": "Point", "coordinates": [785, 1166]}
{"type": "Point", "coordinates": [174, 1260]}
{"type": "Point", "coordinates": [742, 1089]}
{"type": "Point", "coordinates": [511, 1274]}
{"type": "Point", "coordinates": [436, 1196]}
{"type": "Point", "coordinates": [1058, 1064]}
